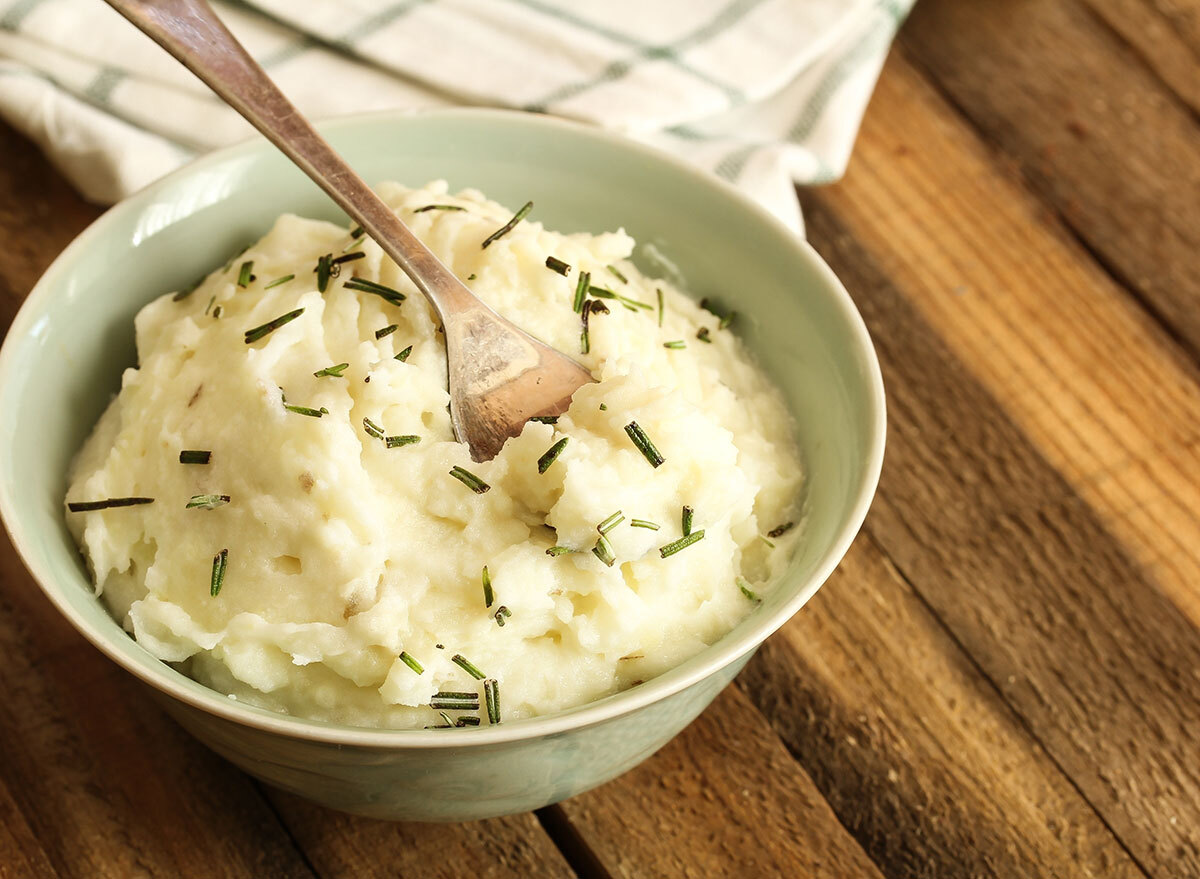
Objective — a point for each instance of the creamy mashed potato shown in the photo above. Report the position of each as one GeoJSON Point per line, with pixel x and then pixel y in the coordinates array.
{"type": "Point", "coordinates": [349, 562]}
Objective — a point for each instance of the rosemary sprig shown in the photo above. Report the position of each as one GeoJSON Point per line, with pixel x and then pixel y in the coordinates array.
{"type": "Point", "coordinates": [355, 242]}
{"type": "Point", "coordinates": [603, 550]}
{"type": "Point", "coordinates": [336, 370]}
{"type": "Point", "coordinates": [324, 271]}
{"type": "Point", "coordinates": [280, 280]}
{"type": "Point", "coordinates": [658, 290]}
{"type": "Point", "coordinates": [643, 443]}
{"type": "Point", "coordinates": [682, 543]}
{"type": "Point", "coordinates": [403, 355]}
{"type": "Point", "coordinates": [746, 590]}
{"type": "Point", "coordinates": [603, 407]}
{"type": "Point", "coordinates": [644, 523]}
{"type": "Point", "coordinates": [208, 307]}
{"type": "Point", "coordinates": [245, 273]}
{"type": "Point", "coordinates": [688, 513]}
{"type": "Point", "coordinates": [616, 273]}
{"type": "Point", "coordinates": [704, 335]}
{"type": "Point", "coordinates": [108, 504]}
{"type": "Point", "coordinates": [491, 693]}
{"type": "Point", "coordinates": [470, 480]}
{"type": "Point", "coordinates": [467, 666]}
{"type": "Point", "coordinates": [395, 297]}
{"type": "Point", "coordinates": [770, 543]}
{"type": "Point", "coordinates": [509, 226]}
{"type": "Point", "coordinates": [592, 306]}
{"type": "Point", "coordinates": [556, 551]}
{"type": "Point", "coordinates": [628, 302]}
{"type": "Point", "coordinates": [207, 501]}
{"type": "Point", "coordinates": [471, 277]}
{"type": "Point", "coordinates": [501, 614]}
{"type": "Point", "coordinates": [372, 428]}
{"type": "Point", "coordinates": [467, 720]}
{"type": "Point", "coordinates": [780, 530]}
{"type": "Point", "coordinates": [675, 345]}
{"type": "Point", "coordinates": [439, 207]}
{"type": "Point", "coordinates": [545, 419]}
{"type": "Point", "coordinates": [453, 701]}
{"type": "Point", "coordinates": [217, 579]}
{"type": "Point", "coordinates": [555, 264]}
{"type": "Point", "coordinates": [386, 331]}
{"type": "Point", "coordinates": [489, 594]}
{"type": "Point", "coordinates": [346, 257]}
{"type": "Point", "coordinates": [194, 456]}
{"type": "Point", "coordinates": [611, 522]}
{"type": "Point", "coordinates": [272, 325]}
{"type": "Point", "coordinates": [306, 410]}
{"type": "Point", "coordinates": [551, 455]}
{"type": "Point", "coordinates": [217, 313]}
{"type": "Point", "coordinates": [357, 232]}
{"type": "Point", "coordinates": [581, 291]}
{"type": "Point", "coordinates": [394, 442]}
{"type": "Point", "coordinates": [724, 322]}
{"type": "Point", "coordinates": [412, 663]}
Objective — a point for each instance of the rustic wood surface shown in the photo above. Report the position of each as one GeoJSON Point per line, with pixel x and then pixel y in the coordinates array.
{"type": "Point", "coordinates": [1003, 677]}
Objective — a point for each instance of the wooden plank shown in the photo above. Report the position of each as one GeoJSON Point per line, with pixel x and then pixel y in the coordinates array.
{"type": "Point", "coordinates": [20, 854]}
{"type": "Point", "coordinates": [1025, 575]}
{"type": "Point", "coordinates": [1095, 131]}
{"type": "Point", "coordinates": [724, 798]}
{"type": "Point", "coordinates": [337, 844]}
{"type": "Point", "coordinates": [920, 758]}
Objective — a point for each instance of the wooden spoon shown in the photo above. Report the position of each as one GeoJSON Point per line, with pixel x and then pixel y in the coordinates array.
{"type": "Point", "coordinates": [500, 376]}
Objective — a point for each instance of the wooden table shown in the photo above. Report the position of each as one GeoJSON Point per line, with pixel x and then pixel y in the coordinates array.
{"type": "Point", "coordinates": [1003, 678]}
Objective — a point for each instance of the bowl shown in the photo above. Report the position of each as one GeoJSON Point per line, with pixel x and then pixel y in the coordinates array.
{"type": "Point", "coordinates": [64, 354]}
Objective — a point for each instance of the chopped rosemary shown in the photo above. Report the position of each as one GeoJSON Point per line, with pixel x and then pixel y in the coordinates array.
{"type": "Point", "coordinates": [703, 335]}
{"type": "Point", "coordinates": [545, 419]}
{"type": "Point", "coordinates": [217, 313]}
{"type": "Point", "coordinates": [603, 407]}
{"type": "Point", "coordinates": [408, 660]}
{"type": "Point", "coordinates": [395, 297]}
{"type": "Point", "coordinates": [207, 501]}
{"type": "Point", "coordinates": [467, 666]}
{"type": "Point", "coordinates": [688, 512]}
{"type": "Point", "coordinates": [355, 242]}
{"type": "Point", "coordinates": [658, 290]}
{"type": "Point", "coordinates": [108, 504]}
{"type": "Point", "coordinates": [357, 232]}
{"type": "Point", "coordinates": [244, 273]}
{"type": "Point", "coordinates": [724, 322]}
{"type": "Point", "coordinates": [616, 273]}
{"type": "Point", "coordinates": [372, 428]}
{"type": "Point", "coordinates": [551, 455]}
{"type": "Point", "coordinates": [644, 523]}
{"type": "Point", "coordinates": [611, 522]}
{"type": "Point", "coordinates": [403, 355]}
{"type": "Point", "coordinates": [682, 543]}
{"type": "Point", "coordinates": [346, 257]}
{"type": "Point", "coordinates": [746, 590]}
{"type": "Point", "coordinates": [448, 721]}
{"type": "Point", "coordinates": [394, 442]}
{"type": "Point", "coordinates": [467, 720]}
{"type": "Point", "coordinates": [643, 443]}
{"type": "Point", "coordinates": [452, 701]}
{"type": "Point", "coordinates": [470, 480]}
{"type": "Point", "coordinates": [217, 580]}
{"type": "Point", "coordinates": [471, 277]}
{"type": "Point", "coordinates": [208, 307]}
{"type": "Point", "coordinates": [581, 290]}
{"type": "Point", "coordinates": [306, 410]}
{"type": "Point", "coordinates": [324, 271]}
{"type": "Point", "coordinates": [502, 612]}
{"type": "Point", "coordinates": [489, 595]}
{"type": "Point", "coordinates": [603, 550]}
{"type": "Point", "coordinates": [555, 551]}
{"type": "Point", "coordinates": [592, 306]}
{"type": "Point", "coordinates": [281, 280]}
{"type": "Point", "coordinates": [675, 345]}
{"type": "Point", "coordinates": [509, 226]}
{"type": "Point", "coordinates": [386, 331]}
{"type": "Point", "coordinates": [194, 456]}
{"type": "Point", "coordinates": [335, 370]}
{"type": "Point", "coordinates": [769, 543]}
{"type": "Point", "coordinates": [780, 530]}
{"type": "Point", "coordinates": [491, 693]}
{"type": "Point", "coordinates": [188, 290]}
{"type": "Point", "coordinates": [631, 304]}
{"type": "Point", "coordinates": [272, 325]}
{"type": "Point", "coordinates": [555, 264]}
{"type": "Point", "coordinates": [439, 207]}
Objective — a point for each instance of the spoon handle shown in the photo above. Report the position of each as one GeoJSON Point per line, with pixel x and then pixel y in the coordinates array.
{"type": "Point", "coordinates": [191, 31]}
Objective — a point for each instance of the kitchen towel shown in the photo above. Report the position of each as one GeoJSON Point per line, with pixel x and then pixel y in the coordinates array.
{"type": "Point", "coordinates": [764, 93]}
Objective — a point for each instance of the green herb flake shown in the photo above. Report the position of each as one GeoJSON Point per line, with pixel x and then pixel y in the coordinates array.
{"type": "Point", "coordinates": [470, 480]}
{"type": "Point", "coordinates": [501, 614]}
{"type": "Point", "coordinates": [403, 355]}
{"type": "Point", "coordinates": [394, 442]}
{"type": "Point", "coordinates": [355, 243]}
{"type": "Point", "coordinates": [372, 428]}
{"type": "Point", "coordinates": [611, 522]}
{"type": "Point", "coordinates": [452, 701]}
{"type": "Point", "coordinates": [217, 579]}
{"type": "Point", "coordinates": [489, 595]}
{"type": "Point", "coordinates": [509, 226]}
{"type": "Point", "coordinates": [346, 257]}
{"type": "Point", "coordinates": [704, 335]}
{"type": "Point", "coordinates": [306, 410]}
{"type": "Point", "coordinates": [545, 419]}
{"type": "Point", "coordinates": [412, 663]}
{"type": "Point", "coordinates": [659, 292]}
{"type": "Point", "coordinates": [281, 280]}
{"type": "Point", "coordinates": [217, 313]}
{"type": "Point", "coordinates": [769, 543]}
{"type": "Point", "coordinates": [682, 543]}
{"type": "Point", "coordinates": [643, 443]}
{"type": "Point", "coordinates": [108, 504]}
{"type": "Point", "coordinates": [471, 277]}
{"type": "Point", "coordinates": [466, 720]}
{"type": "Point", "coordinates": [592, 306]}
{"type": "Point", "coordinates": [272, 325]}
{"type": "Point", "coordinates": [335, 370]}
{"type": "Point", "coordinates": [581, 291]}
{"type": "Point", "coordinates": [603, 550]}
{"type": "Point", "coordinates": [675, 345]}
{"type": "Point", "coordinates": [324, 271]}
{"type": "Point", "coordinates": [386, 331]}
{"type": "Point", "coordinates": [395, 297]}
{"type": "Point", "coordinates": [747, 591]}
{"type": "Point", "coordinates": [616, 273]}
{"type": "Point", "coordinates": [208, 307]}
{"type": "Point", "coordinates": [556, 551]}
{"type": "Point", "coordinates": [780, 530]}
{"type": "Point", "coordinates": [555, 264]}
{"type": "Point", "coordinates": [644, 523]}
{"type": "Point", "coordinates": [194, 456]}
{"type": "Point", "coordinates": [724, 323]}
{"type": "Point", "coordinates": [357, 232]}
{"type": "Point", "coordinates": [551, 455]}
{"type": "Point", "coordinates": [603, 407]}
{"type": "Point", "coordinates": [491, 693]}
{"type": "Point", "coordinates": [207, 501]}
{"type": "Point", "coordinates": [688, 513]}
{"type": "Point", "coordinates": [245, 276]}
{"type": "Point", "coordinates": [440, 207]}
{"type": "Point", "coordinates": [467, 666]}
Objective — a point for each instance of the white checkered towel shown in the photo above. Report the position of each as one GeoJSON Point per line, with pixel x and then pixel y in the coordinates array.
{"type": "Point", "coordinates": [762, 92]}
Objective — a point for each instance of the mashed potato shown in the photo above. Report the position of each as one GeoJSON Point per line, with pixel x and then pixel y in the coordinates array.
{"type": "Point", "coordinates": [350, 561]}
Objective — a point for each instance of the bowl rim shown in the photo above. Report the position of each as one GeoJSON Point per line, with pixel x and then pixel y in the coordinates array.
{"type": "Point", "coordinates": [708, 661]}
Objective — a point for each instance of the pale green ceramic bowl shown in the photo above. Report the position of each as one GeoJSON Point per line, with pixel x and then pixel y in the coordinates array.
{"type": "Point", "coordinates": [63, 357]}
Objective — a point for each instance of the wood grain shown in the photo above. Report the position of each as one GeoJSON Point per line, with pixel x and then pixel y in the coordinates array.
{"type": "Point", "coordinates": [722, 799]}
{"type": "Point", "coordinates": [1095, 131]}
{"type": "Point", "coordinates": [20, 854]}
{"type": "Point", "coordinates": [919, 756]}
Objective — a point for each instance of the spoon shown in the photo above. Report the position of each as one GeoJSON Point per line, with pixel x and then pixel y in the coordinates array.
{"type": "Point", "coordinates": [499, 376]}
